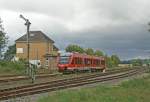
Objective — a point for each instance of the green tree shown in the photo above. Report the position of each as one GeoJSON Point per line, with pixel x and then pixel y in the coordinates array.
{"type": "Point", "coordinates": [10, 53]}
{"type": "Point", "coordinates": [115, 60]}
{"type": "Point", "coordinates": [74, 48]}
{"type": "Point", "coordinates": [112, 61]}
{"type": "Point", "coordinates": [89, 51]}
{"type": "Point", "coordinates": [3, 39]}
{"type": "Point", "coordinates": [109, 63]}
{"type": "Point", "coordinates": [136, 62]}
{"type": "Point", "coordinates": [98, 53]}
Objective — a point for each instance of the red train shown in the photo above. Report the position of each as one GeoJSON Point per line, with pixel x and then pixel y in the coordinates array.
{"type": "Point", "coordinates": [80, 62]}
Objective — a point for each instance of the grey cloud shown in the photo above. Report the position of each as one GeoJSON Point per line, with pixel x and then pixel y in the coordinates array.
{"type": "Point", "coordinates": [127, 41]}
{"type": "Point", "coordinates": [62, 8]}
{"type": "Point", "coordinates": [118, 26]}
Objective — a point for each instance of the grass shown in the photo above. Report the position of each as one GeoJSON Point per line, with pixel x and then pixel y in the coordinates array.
{"type": "Point", "coordinates": [136, 90]}
{"type": "Point", "coordinates": [8, 67]}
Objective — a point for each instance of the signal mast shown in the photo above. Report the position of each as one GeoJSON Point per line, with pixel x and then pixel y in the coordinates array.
{"type": "Point", "coordinates": [30, 72]}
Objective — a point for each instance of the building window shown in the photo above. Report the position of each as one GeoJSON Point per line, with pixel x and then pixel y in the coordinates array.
{"type": "Point", "coordinates": [19, 50]}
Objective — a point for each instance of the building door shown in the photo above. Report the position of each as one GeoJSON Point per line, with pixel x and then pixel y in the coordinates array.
{"type": "Point", "coordinates": [47, 63]}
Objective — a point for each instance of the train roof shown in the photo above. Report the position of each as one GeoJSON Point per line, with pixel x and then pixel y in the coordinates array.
{"type": "Point", "coordinates": [81, 55]}
{"type": "Point", "coordinates": [65, 54]}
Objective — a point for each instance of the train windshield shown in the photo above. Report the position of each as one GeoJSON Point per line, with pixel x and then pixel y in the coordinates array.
{"type": "Point", "coordinates": [64, 60]}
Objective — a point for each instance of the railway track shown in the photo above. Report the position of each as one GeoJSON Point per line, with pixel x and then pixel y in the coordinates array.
{"type": "Point", "coordinates": [8, 78]}
{"type": "Point", "coordinates": [67, 83]}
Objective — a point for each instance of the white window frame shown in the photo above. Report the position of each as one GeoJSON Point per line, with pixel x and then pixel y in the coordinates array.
{"type": "Point", "coordinates": [19, 50]}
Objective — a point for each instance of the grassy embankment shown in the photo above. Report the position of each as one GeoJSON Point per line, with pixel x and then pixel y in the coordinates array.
{"type": "Point", "coordinates": [7, 67]}
{"type": "Point", "coordinates": [136, 90]}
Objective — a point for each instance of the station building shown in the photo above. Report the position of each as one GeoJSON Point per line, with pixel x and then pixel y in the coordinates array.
{"type": "Point", "coordinates": [42, 50]}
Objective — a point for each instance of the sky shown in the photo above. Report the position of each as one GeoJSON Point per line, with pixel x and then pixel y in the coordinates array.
{"type": "Point", "coordinates": [113, 26]}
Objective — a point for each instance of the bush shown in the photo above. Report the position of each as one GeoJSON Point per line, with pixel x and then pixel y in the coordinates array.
{"type": "Point", "coordinates": [12, 67]}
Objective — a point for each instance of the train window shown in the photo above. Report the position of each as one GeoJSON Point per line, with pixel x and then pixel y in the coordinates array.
{"type": "Point", "coordinates": [91, 61]}
{"type": "Point", "coordinates": [76, 60]}
{"type": "Point", "coordinates": [80, 60]}
{"type": "Point", "coordinates": [73, 61]}
{"type": "Point", "coordinates": [94, 62]}
{"type": "Point", "coordinates": [103, 62]}
{"type": "Point", "coordinates": [64, 59]}
{"type": "Point", "coordinates": [87, 61]}
{"type": "Point", "coordinates": [97, 62]}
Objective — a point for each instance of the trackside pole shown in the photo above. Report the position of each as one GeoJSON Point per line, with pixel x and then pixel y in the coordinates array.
{"type": "Point", "coordinates": [27, 23]}
{"type": "Point", "coordinates": [30, 69]}
{"type": "Point", "coordinates": [33, 72]}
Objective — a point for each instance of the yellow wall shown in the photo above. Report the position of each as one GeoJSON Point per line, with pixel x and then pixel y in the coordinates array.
{"type": "Point", "coordinates": [37, 50]}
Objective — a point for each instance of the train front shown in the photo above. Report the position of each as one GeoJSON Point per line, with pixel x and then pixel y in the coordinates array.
{"type": "Point", "coordinates": [63, 62]}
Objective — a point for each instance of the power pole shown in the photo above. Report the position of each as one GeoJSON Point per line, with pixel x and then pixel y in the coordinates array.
{"type": "Point", "coordinates": [149, 25]}
{"type": "Point", "coordinates": [149, 59]}
{"type": "Point", "coordinates": [27, 23]}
